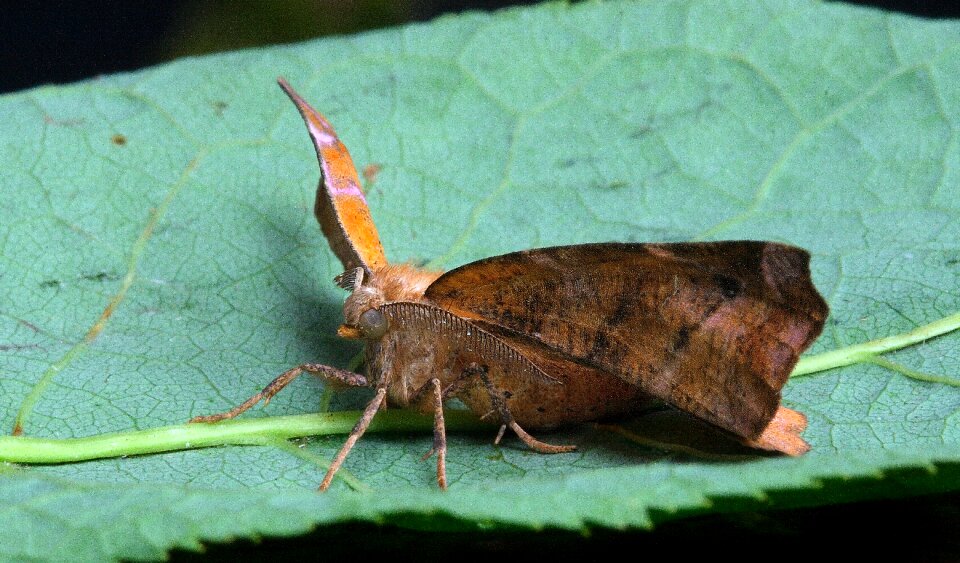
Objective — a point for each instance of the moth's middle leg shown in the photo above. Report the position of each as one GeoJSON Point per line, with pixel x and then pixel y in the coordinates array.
{"type": "Point", "coordinates": [439, 447]}
{"type": "Point", "coordinates": [500, 407]}
{"type": "Point", "coordinates": [438, 394]}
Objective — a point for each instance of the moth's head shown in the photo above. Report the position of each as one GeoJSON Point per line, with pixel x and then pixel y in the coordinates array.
{"type": "Point", "coordinates": [361, 314]}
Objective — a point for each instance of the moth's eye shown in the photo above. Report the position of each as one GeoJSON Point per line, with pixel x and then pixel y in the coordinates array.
{"type": "Point", "coordinates": [373, 324]}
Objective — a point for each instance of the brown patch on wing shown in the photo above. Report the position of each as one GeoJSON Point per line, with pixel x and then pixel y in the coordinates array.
{"type": "Point", "coordinates": [713, 328]}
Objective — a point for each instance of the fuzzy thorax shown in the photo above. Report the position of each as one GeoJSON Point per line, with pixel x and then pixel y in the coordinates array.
{"type": "Point", "coordinates": [387, 284]}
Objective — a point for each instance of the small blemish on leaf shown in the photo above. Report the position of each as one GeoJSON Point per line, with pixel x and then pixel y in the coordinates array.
{"type": "Point", "coordinates": [15, 347]}
{"type": "Point", "coordinates": [619, 184]}
{"type": "Point", "coordinates": [100, 277]}
{"type": "Point", "coordinates": [641, 132]}
{"type": "Point", "coordinates": [370, 172]}
{"type": "Point", "coordinates": [119, 140]}
{"type": "Point", "coordinates": [51, 283]}
{"type": "Point", "coordinates": [62, 122]}
{"type": "Point", "coordinates": [575, 160]}
{"type": "Point", "coordinates": [219, 106]}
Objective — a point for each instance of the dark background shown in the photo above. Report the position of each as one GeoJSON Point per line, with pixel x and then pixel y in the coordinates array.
{"type": "Point", "coordinates": [59, 42]}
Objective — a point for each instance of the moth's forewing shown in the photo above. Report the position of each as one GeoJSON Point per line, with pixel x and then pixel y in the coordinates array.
{"type": "Point", "coordinates": [712, 328]}
{"type": "Point", "coordinates": [341, 207]}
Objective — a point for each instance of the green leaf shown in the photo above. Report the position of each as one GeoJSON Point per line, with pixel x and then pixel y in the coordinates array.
{"type": "Point", "coordinates": [159, 260]}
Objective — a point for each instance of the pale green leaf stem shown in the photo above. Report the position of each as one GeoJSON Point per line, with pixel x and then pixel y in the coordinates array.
{"type": "Point", "coordinates": [267, 431]}
{"type": "Point", "coordinates": [869, 352]}
{"type": "Point", "coordinates": [251, 431]}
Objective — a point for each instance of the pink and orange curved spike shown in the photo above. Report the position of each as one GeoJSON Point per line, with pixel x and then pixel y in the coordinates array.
{"type": "Point", "coordinates": [341, 208]}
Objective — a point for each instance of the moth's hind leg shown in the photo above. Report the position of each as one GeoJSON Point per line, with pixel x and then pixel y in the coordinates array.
{"type": "Point", "coordinates": [500, 407]}
{"type": "Point", "coordinates": [329, 374]}
{"type": "Point", "coordinates": [533, 443]}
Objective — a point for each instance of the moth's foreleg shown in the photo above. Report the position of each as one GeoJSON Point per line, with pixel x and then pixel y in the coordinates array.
{"type": "Point", "coordinates": [500, 406]}
{"type": "Point", "coordinates": [330, 374]}
{"type": "Point", "coordinates": [355, 434]}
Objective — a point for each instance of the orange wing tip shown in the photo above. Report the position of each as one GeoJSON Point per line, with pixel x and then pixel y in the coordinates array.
{"type": "Point", "coordinates": [320, 129]}
{"type": "Point", "coordinates": [783, 434]}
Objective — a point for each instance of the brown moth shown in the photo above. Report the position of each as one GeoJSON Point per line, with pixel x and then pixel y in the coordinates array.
{"type": "Point", "coordinates": [553, 336]}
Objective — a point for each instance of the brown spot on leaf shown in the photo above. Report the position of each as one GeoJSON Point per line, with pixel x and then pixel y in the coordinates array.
{"type": "Point", "coordinates": [370, 172]}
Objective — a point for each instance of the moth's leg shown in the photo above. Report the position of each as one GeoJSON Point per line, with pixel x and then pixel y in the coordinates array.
{"type": "Point", "coordinates": [355, 434]}
{"type": "Point", "coordinates": [473, 370]}
{"type": "Point", "coordinates": [439, 447]}
{"type": "Point", "coordinates": [500, 406]}
{"type": "Point", "coordinates": [330, 374]}
{"type": "Point", "coordinates": [439, 435]}
{"type": "Point", "coordinates": [537, 445]}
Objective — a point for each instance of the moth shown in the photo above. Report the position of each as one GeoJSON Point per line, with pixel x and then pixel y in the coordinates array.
{"type": "Point", "coordinates": [552, 336]}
